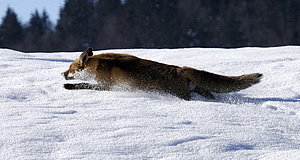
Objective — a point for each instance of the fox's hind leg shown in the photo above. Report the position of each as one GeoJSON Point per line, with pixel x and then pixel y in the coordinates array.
{"type": "Point", "coordinates": [194, 88]}
{"type": "Point", "coordinates": [204, 93]}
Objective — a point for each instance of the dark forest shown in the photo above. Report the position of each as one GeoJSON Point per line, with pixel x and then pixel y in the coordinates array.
{"type": "Point", "coordinates": [108, 24]}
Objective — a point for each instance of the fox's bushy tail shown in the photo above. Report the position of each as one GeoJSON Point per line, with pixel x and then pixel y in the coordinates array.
{"type": "Point", "coordinates": [218, 83]}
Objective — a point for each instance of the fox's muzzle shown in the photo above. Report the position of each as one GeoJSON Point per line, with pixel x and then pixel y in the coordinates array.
{"type": "Point", "coordinates": [66, 76]}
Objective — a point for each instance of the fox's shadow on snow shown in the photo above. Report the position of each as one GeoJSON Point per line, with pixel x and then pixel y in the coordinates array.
{"type": "Point", "coordinates": [49, 60]}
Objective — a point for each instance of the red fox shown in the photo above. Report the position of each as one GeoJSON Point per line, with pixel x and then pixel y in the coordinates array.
{"type": "Point", "coordinates": [111, 69]}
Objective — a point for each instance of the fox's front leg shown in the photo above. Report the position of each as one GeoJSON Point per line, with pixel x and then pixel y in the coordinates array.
{"type": "Point", "coordinates": [85, 86]}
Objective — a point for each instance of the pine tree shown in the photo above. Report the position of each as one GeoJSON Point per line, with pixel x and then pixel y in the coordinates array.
{"type": "Point", "coordinates": [110, 25]}
{"type": "Point", "coordinates": [74, 26]}
{"type": "Point", "coordinates": [39, 25]}
{"type": "Point", "coordinates": [11, 31]}
{"type": "Point", "coordinates": [37, 34]}
{"type": "Point", "coordinates": [153, 23]}
{"type": "Point", "coordinates": [292, 21]}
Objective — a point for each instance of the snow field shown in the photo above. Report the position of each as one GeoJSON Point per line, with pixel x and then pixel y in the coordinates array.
{"type": "Point", "coordinates": [41, 120]}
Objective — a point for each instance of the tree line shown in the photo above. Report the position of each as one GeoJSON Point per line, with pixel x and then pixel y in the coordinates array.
{"type": "Point", "coordinates": [104, 24]}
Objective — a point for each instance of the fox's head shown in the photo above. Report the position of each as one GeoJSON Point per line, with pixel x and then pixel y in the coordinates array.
{"type": "Point", "coordinates": [78, 65]}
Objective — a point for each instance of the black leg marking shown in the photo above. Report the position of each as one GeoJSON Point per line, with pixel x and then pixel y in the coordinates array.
{"type": "Point", "coordinates": [83, 86]}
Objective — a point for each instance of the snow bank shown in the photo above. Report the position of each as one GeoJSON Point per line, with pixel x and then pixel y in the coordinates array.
{"type": "Point", "coordinates": [41, 120]}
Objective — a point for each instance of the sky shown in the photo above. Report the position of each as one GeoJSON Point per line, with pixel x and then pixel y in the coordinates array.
{"type": "Point", "coordinates": [24, 8]}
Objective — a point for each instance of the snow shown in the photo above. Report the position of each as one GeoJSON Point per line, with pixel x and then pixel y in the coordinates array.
{"type": "Point", "coordinates": [39, 119]}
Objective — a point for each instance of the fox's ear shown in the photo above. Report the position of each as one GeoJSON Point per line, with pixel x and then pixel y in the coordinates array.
{"type": "Point", "coordinates": [83, 58]}
{"type": "Point", "coordinates": [89, 51]}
